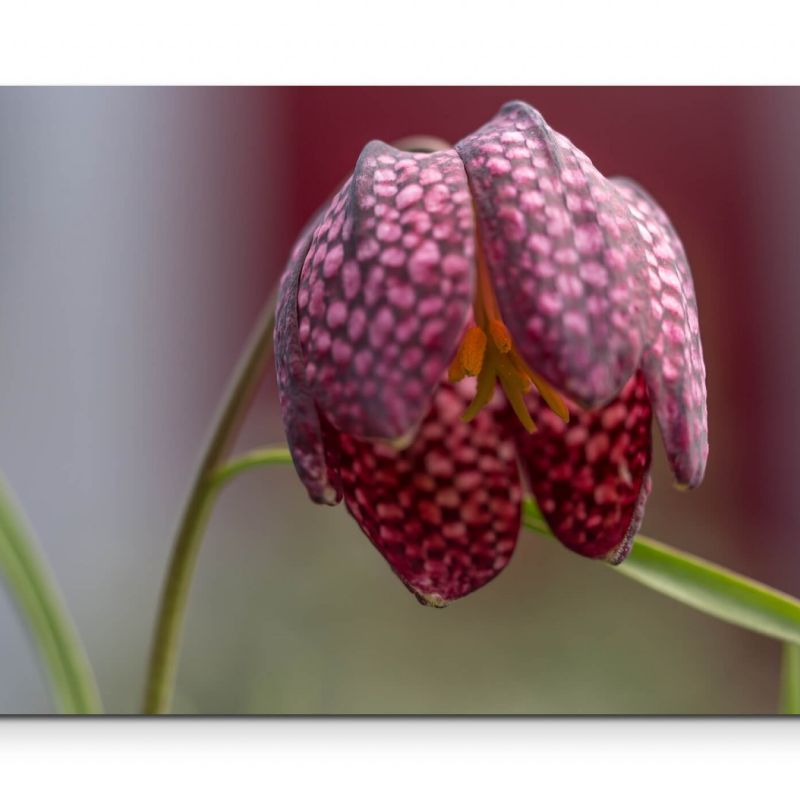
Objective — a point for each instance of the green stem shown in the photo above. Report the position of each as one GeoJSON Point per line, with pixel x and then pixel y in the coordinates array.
{"type": "Point", "coordinates": [262, 457]}
{"type": "Point", "coordinates": [166, 639]}
{"type": "Point", "coordinates": [33, 588]}
{"type": "Point", "coordinates": [790, 679]}
{"type": "Point", "coordinates": [693, 581]}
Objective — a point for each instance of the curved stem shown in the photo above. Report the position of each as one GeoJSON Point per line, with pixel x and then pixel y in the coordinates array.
{"type": "Point", "coordinates": [262, 457]}
{"type": "Point", "coordinates": [166, 640]}
{"type": "Point", "coordinates": [707, 587]}
{"type": "Point", "coordinates": [33, 588]}
{"type": "Point", "coordinates": [790, 679]}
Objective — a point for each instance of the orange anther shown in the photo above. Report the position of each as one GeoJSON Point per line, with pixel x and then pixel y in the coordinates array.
{"type": "Point", "coordinates": [500, 335]}
{"type": "Point", "coordinates": [472, 350]}
{"type": "Point", "coordinates": [456, 371]}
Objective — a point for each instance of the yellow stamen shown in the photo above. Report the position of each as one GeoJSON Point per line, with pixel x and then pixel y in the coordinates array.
{"type": "Point", "coordinates": [487, 350]}
{"type": "Point", "coordinates": [514, 395]}
{"type": "Point", "coordinates": [514, 384]}
{"type": "Point", "coordinates": [505, 369]}
{"type": "Point", "coordinates": [484, 392]}
{"type": "Point", "coordinates": [486, 307]}
{"type": "Point", "coordinates": [472, 350]}
{"type": "Point", "coordinates": [548, 393]}
{"type": "Point", "coordinates": [500, 335]}
{"type": "Point", "coordinates": [550, 396]}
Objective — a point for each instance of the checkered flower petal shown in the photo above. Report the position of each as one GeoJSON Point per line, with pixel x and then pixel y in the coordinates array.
{"type": "Point", "coordinates": [562, 249]}
{"type": "Point", "coordinates": [444, 512]}
{"type": "Point", "coordinates": [386, 289]}
{"type": "Point", "coordinates": [673, 358]}
{"type": "Point", "coordinates": [298, 410]}
{"type": "Point", "coordinates": [590, 476]}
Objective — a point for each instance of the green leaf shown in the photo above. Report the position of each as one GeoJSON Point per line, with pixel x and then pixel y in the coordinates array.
{"type": "Point", "coordinates": [33, 588]}
{"type": "Point", "coordinates": [698, 583]}
{"type": "Point", "coordinates": [790, 679]}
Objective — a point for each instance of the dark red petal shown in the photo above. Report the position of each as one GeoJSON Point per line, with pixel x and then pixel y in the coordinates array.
{"type": "Point", "coordinates": [386, 289]}
{"type": "Point", "coordinates": [445, 512]}
{"type": "Point", "coordinates": [298, 411]}
{"type": "Point", "coordinates": [673, 361]}
{"type": "Point", "coordinates": [590, 476]}
{"type": "Point", "coordinates": [562, 248]}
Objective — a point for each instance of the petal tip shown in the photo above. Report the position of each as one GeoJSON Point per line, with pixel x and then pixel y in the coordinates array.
{"type": "Point", "coordinates": [330, 496]}
{"type": "Point", "coordinates": [514, 106]}
{"type": "Point", "coordinates": [431, 600]}
{"type": "Point", "coordinates": [621, 552]}
{"type": "Point", "coordinates": [324, 495]}
{"type": "Point", "coordinates": [687, 484]}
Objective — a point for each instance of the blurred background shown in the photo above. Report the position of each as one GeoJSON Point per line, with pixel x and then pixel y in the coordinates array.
{"type": "Point", "coordinates": [140, 232]}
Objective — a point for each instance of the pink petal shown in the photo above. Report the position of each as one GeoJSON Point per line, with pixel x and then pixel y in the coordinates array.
{"type": "Point", "coordinates": [386, 289]}
{"type": "Point", "coordinates": [673, 360]}
{"type": "Point", "coordinates": [298, 411]}
{"type": "Point", "coordinates": [445, 512]}
{"type": "Point", "coordinates": [562, 248]}
{"type": "Point", "coordinates": [590, 476]}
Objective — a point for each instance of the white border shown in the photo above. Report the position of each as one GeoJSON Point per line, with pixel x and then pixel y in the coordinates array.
{"type": "Point", "coordinates": [399, 758]}
{"type": "Point", "coordinates": [516, 42]}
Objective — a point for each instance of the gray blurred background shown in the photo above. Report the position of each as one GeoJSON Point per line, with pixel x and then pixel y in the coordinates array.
{"type": "Point", "coordinates": [141, 230]}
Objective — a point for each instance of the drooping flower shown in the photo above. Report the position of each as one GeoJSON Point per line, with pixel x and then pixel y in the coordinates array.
{"type": "Point", "coordinates": [453, 316]}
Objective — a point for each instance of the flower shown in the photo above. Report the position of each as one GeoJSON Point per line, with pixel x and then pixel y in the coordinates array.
{"type": "Point", "coordinates": [452, 318]}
